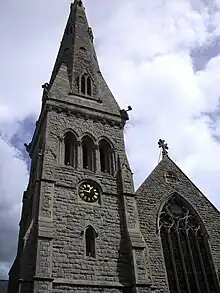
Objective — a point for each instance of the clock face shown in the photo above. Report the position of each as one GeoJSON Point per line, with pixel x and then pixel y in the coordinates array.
{"type": "Point", "coordinates": [88, 192]}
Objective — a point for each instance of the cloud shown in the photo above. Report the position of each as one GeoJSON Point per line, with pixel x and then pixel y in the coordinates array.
{"type": "Point", "coordinates": [150, 53]}
{"type": "Point", "coordinates": [147, 51]}
{"type": "Point", "coordinates": [13, 176]}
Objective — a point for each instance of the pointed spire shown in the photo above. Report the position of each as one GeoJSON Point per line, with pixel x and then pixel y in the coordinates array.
{"type": "Point", "coordinates": [76, 71]}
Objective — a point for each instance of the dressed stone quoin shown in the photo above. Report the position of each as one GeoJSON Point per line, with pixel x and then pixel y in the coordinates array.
{"type": "Point", "coordinates": [83, 228]}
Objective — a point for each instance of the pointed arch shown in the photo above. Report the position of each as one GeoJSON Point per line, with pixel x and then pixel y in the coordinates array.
{"type": "Point", "coordinates": [106, 156]}
{"type": "Point", "coordinates": [83, 84]}
{"type": "Point", "coordinates": [70, 149]}
{"type": "Point", "coordinates": [186, 251]}
{"type": "Point", "coordinates": [89, 86]}
{"type": "Point", "coordinates": [90, 239]}
{"type": "Point", "coordinates": [88, 152]}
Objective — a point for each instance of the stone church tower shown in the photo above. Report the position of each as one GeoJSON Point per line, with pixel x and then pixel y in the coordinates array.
{"type": "Point", "coordinates": [83, 228]}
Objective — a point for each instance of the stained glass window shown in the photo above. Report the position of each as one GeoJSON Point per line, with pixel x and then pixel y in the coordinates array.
{"type": "Point", "coordinates": [185, 247]}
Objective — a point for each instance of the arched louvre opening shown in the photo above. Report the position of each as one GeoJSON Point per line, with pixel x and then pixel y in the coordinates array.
{"type": "Point", "coordinates": [106, 160]}
{"type": "Point", "coordinates": [90, 236]}
{"type": "Point", "coordinates": [89, 86]}
{"type": "Point", "coordinates": [88, 153]}
{"type": "Point", "coordinates": [85, 81]}
{"type": "Point", "coordinates": [70, 152]}
{"type": "Point", "coordinates": [83, 84]}
{"type": "Point", "coordinates": [186, 252]}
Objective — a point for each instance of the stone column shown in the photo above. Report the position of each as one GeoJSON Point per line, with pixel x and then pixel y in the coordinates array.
{"type": "Point", "coordinates": [79, 155]}
{"type": "Point", "coordinates": [97, 159]}
{"type": "Point", "coordinates": [43, 273]}
{"type": "Point", "coordinates": [60, 159]}
{"type": "Point", "coordinates": [138, 250]}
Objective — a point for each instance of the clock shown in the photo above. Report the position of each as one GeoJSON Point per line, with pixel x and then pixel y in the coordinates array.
{"type": "Point", "coordinates": [89, 192]}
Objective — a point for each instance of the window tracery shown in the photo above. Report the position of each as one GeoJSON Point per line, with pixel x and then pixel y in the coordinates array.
{"type": "Point", "coordinates": [185, 248]}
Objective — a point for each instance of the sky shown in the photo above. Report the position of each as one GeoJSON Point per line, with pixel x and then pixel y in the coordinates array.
{"type": "Point", "coordinates": [162, 57]}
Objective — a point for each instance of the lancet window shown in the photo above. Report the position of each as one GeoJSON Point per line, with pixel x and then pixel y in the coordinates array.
{"type": "Point", "coordinates": [90, 237]}
{"type": "Point", "coordinates": [70, 152]}
{"type": "Point", "coordinates": [69, 30]}
{"type": "Point", "coordinates": [85, 85]}
{"type": "Point", "coordinates": [106, 157]}
{"type": "Point", "coordinates": [89, 86]}
{"type": "Point", "coordinates": [88, 151]}
{"type": "Point", "coordinates": [185, 247]}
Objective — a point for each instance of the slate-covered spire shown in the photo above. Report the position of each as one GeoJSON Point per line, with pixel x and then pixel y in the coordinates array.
{"type": "Point", "coordinates": [76, 72]}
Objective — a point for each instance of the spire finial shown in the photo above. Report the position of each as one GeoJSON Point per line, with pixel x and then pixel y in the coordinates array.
{"type": "Point", "coordinates": [162, 144]}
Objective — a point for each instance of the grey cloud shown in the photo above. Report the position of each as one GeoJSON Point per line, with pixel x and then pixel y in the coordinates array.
{"type": "Point", "coordinates": [213, 122]}
{"type": "Point", "coordinates": [201, 56]}
{"type": "Point", "coordinates": [23, 135]}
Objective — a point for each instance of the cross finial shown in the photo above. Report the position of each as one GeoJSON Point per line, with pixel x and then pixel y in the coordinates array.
{"type": "Point", "coordinates": [162, 144]}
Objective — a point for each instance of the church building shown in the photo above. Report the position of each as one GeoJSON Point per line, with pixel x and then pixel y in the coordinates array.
{"type": "Point", "coordinates": [83, 227]}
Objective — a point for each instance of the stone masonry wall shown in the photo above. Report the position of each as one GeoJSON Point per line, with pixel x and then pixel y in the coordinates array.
{"type": "Point", "coordinates": [151, 197]}
{"type": "Point", "coordinates": [70, 289]}
{"type": "Point", "coordinates": [71, 215]}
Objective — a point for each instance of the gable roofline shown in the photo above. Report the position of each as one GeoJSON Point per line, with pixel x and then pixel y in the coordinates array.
{"type": "Point", "coordinates": [168, 158]}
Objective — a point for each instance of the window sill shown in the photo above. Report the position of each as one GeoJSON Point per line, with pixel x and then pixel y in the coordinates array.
{"type": "Point", "coordinates": [87, 171]}
{"type": "Point", "coordinates": [108, 175]}
{"type": "Point", "coordinates": [69, 167]}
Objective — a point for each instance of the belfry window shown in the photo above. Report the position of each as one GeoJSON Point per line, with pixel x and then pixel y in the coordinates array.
{"type": "Point", "coordinates": [85, 84]}
{"type": "Point", "coordinates": [89, 86]}
{"type": "Point", "coordinates": [88, 153]}
{"type": "Point", "coordinates": [105, 152]}
{"type": "Point", "coordinates": [69, 30]}
{"type": "Point", "coordinates": [70, 152]}
{"type": "Point", "coordinates": [90, 237]}
{"type": "Point", "coordinates": [185, 247]}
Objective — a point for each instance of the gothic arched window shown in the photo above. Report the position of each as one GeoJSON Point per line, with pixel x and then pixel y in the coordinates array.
{"type": "Point", "coordinates": [90, 236]}
{"type": "Point", "coordinates": [85, 82]}
{"type": "Point", "coordinates": [88, 153]}
{"type": "Point", "coordinates": [89, 86]}
{"type": "Point", "coordinates": [70, 152]}
{"type": "Point", "coordinates": [185, 247]}
{"type": "Point", "coordinates": [105, 152]}
{"type": "Point", "coordinates": [69, 30]}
